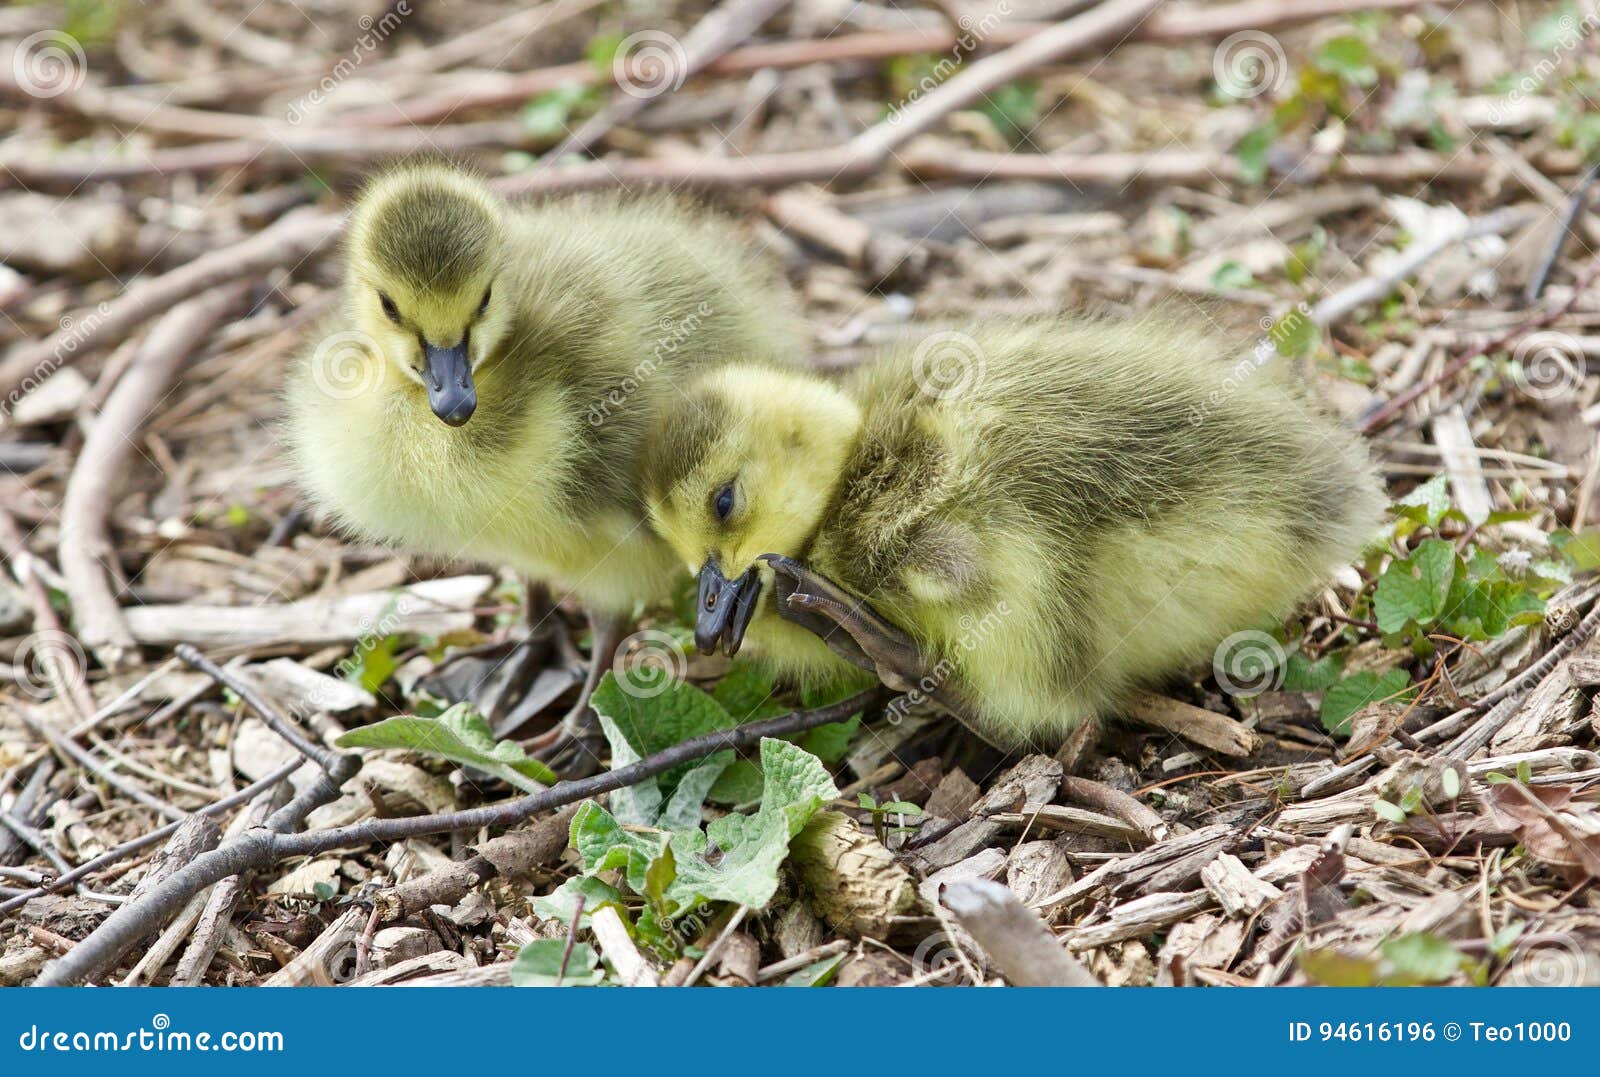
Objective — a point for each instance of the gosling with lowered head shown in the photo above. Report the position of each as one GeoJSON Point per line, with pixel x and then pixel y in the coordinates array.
{"type": "Point", "coordinates": [1089, 506]}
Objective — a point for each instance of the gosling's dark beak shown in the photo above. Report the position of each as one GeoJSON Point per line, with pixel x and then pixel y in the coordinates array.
{"type": "Point", "coordinates": [449, 380]}
{"type": "Point", "coordinates": [725, 608]}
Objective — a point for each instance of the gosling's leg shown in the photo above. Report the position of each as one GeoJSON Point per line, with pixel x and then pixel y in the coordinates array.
{"type": "Point", "coordinates": [573, 747]}
{"type": "Point", "coordinates": [859, 634]}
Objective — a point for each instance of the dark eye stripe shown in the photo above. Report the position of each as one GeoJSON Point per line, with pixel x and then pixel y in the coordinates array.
{"type": "Point", "coordinates": [390, 311]}
{"type": "Point", "coordinates": [723, 505]}
{"type": "Point", "coordinates": [484, 304]}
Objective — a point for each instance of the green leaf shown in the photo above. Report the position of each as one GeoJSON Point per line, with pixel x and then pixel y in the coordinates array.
{"type": "Point", "coordinates": [830, 742]}
{"type": "Point", "coordinates": [1356, 691]}
{"type": "Point", "coordinates": [460, 735]}
{"type": "Point", "coordinates": [739, 784]}
{"type": "Point", "coordinates": [1294, 334]}
{"type": "Point", "coordinates": [816, 974]}
{"type": "Point", "coordinates": [1419, 958]}
{"type": "Point", "coordinates": [737, 857]}
{"type": "Point", "coordinates": [747, 693]}
{"type": "Point", "coordinates": [1231, 275]}
{"type": "Point", "coordinates": [1012, 108]}
{"type": "Point", "coordinates": [604, 844]}
{"type": "Point", "coordinates": [373, 663]}
{"type": "Point", "coordinates": [1252, 152]}
{"type": "Point", "coordinates": [538, 964]}
{"type": "Point", "coordinates": [1300, 674]}
{"type": "Point", "coordinates": [561, 904]}
{"type": "Point", "coordinates": [1390, 812]}
{"type": "Point", "coordinates": [1348, 57]}
{"type": "Point", "coordinates": [1330, 968]}
{"type": "Point", "coordinates": [1426, 504]}
{"type": "Point", "coordinates": [1414, 590]}
{"type": "Point", "coordinates": [640, 725]}
{"type": "Point", "coordinates": [548, 115]}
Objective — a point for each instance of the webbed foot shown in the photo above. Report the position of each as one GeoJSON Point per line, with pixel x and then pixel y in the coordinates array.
{"type": "Point", "coordinates": [859, 634]}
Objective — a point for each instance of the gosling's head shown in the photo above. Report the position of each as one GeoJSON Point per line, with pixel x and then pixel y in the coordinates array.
{"type": "Point", "coordinates": [745, 467]}
{"type": "Point", "coordinates": [425, 244]}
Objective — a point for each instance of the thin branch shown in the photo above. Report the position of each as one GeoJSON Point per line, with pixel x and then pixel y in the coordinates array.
{"type": "Point", "coordinates": [341, 766]}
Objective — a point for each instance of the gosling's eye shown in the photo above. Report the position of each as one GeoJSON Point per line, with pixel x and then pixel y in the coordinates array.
{"type": "Point", "coordinates": [483, 304]}
{"type": "Point", "coordinates": [391, 311]}
{"type": "Point", "coordinates": [723, 504]}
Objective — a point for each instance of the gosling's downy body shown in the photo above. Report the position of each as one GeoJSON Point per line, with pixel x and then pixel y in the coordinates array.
{"type": "Point", "coordinates": [1080, 508]}
{"type": "Point", "coordinates": [484, 391]}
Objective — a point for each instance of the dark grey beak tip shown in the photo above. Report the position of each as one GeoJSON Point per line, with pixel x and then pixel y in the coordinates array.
{"type": "Point", "coordinates": [451, 393]}
{"type": "Point", "coordinates": [724, 608]}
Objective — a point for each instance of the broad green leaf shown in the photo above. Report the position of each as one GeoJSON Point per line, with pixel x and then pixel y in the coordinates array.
{"type": "Point", "coordinates": [1419, 958]}
{"type": "Point", "coordinates": [1414, 590]}
{"type": "Point", "coordinates": [603, 844]}
{"type": "Point", "coordinates": [460, 735]}
{"type": "Point", "coordinates": [538, 964]}
{"type": "Point", "coordinates": [561, 904]}
{"type": "Point", "coordinates": [1301, 674]}
{"type": "Point", "coordinates": [1349, 57]}
{"type": "Point", "coordinates": [1427, 504]}
{"type": "Point", "coordinates": [748, 850]}
{"type": "Point", "coordinates": [1356, 691]}
{"type": "Point", "coordinates": [747, 693]}
{"type": "Point", "coordinates": [637, 726]}
{"type": "Point", "coordinates": [1330, 968]}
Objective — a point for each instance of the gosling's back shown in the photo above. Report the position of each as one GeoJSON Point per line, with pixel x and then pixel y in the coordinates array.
{"type": "Point", "coordinates": [1076, 507]}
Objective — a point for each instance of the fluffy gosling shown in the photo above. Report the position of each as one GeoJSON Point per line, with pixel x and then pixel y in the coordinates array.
{"type": "Point", "coordinates": [1085, 509]}
{"type": "Point", "coordinates": [485, 389]}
